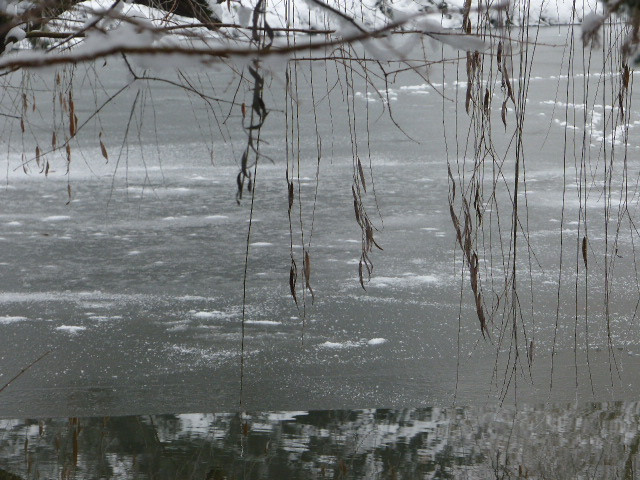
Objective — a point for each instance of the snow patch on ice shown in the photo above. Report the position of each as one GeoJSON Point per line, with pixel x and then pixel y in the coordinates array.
{"type": "Point", "coordinates": [377, 341]}
{"type": "Point", "coordinates": [9, 319]}
{"type": "Point", "coordinates": [210, 314]}
{"type": "Point", "coordinates": [72, 329]}
{"type": "Point", "coordinates": [406, 280]}
{"type": "Point", "coordinates": [262, 322]}
{"type": "Point", "coordinates": [56, 218]}
{"type": "Point", "coordinates": [261, 244]}
{"type": "Point", "coordinates": [339, 345]}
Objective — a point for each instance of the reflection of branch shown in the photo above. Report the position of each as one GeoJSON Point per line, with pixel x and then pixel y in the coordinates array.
{"type": "Point", "coordinates": [24, 370]}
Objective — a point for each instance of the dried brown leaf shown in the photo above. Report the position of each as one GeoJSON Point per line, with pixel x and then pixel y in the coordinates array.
{"type": "Point", "coordinates": [290, 192]}
{"type": "Point", "coordinates": [293, 278]}
{"type": "Point", "coordinates": [505, 76]}
{"type": "Point", "coordinates": [626, 75]}
{"type": "Point", "coordinates": [503, 114]}
{"type": "Point", "coordinates": [361, 174]}
{"type": "Point", "coordinates": [307, 274]}
{"type": "Point", "coordinates": [104, 151]}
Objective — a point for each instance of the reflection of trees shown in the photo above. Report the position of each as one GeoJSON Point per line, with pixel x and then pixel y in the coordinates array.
{"type": "Point", "coordinates": [600, 440]}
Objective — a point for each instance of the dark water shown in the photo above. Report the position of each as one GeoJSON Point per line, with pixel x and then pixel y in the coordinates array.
{"type": "Point", "coordinates": [565, 441]}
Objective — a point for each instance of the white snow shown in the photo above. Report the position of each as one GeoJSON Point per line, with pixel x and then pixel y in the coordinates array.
{"type": "Point", "coordinates": [9, 319]}
{"type": "Point", "coordinates": [210, 314]}
{"type": "Point", "coordinates": [56, 218]}
{"type": "Point", "coordinates": [377, 341]}
{"type": "Point", "coordinates": [72, 329]}
{"type": "Point", "coordinates": [339, 345]}
{"type": "Point", "coordinates": [405, 280]}
{"type": "Point", "coordinates": [262, 322]}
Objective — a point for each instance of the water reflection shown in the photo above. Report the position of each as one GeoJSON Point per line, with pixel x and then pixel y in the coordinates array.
{"type": "Point", "coordinates": [595, 440]}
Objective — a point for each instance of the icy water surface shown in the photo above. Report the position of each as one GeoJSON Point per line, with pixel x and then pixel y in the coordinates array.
{"type": "Point", "coordinates": [135, 287]}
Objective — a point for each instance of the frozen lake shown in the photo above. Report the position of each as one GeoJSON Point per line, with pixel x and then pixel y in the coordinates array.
{"type": "Point", "coordinates": [135, 286]}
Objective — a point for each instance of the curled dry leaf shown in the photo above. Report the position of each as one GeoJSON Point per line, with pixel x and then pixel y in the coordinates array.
{"type": "Point", "coordinates": [104, 150]}
{"type": "Point", "coordinates": [503, 114]}
{"type": "Point", "coordinates": [293, 279]}
{"type": "Point", "coordinates": [307, 274]}
{"type": "Point", "coordinates": [626, 75]}
{"type": "Point", "coordinates": [361, 174]}
{"type": "Point", "coordinates": [73, 120]}
{"type": "Point", "coordinates": [356, 205]}
{"type": "Point", "coordinates": [507, 82]}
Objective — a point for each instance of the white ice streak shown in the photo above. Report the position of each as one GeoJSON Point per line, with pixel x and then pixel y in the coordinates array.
{"type": "Point", "coordinates": [72, 329]}
{"type": "Point", "coordinates": [352, 344]}
{"type": "Point", "coordinates": [262, 322]}
{"type": "Point", "coordinates": [339, 345]}
{"type": "Point", "coordinates": [210, 314]}
{"type": "Point", "coordinates": [404, 281]}
{"type": "Point", "coordinates": [10, 319]}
